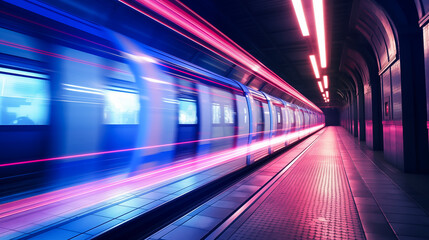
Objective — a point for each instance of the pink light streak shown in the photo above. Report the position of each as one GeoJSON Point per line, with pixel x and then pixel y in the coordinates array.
{"type": "Point", "coordinates": [107, 189]}
{"type": "Point", "coordinates": [192, 23]}
{"type": "Point", "coordinates": [126, 150]}
{"type": "Point", "coordinates": [56, 55]}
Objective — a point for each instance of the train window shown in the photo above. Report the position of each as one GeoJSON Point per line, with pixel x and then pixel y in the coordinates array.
{"type": "Point", "coordinates": [291, 116]}
{"type": "Point", "coordinates": [121, 107]}
{"type": "Point", "coordinates": [259, 112]}
{"type": "Point", "coordinates": [259, 120]}
{"type": "Point", "coordinates": [24, 98]}
{"type": "Point", "coordinates": [279, 121]}
{"type": "Point", "coordinates": [187, 111]}
{"type": "Point", "coordinates": [216, 113]}
{"type": "Point", "coordinates": [228, 114]}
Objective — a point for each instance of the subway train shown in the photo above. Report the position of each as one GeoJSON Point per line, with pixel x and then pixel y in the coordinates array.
{"type": "Point", "coordinates": [81, 102]}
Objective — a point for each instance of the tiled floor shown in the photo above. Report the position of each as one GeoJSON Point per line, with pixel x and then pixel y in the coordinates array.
{"type": "Point", "coordinates": [335, 191]}
{"type": "Point", "coordinates": [384, 207]}
{"type": "Point", "coordinates": [311, 201]}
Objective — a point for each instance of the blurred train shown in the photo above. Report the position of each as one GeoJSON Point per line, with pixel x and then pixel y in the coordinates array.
{"type": "Point", "coordinates": [78, 105]}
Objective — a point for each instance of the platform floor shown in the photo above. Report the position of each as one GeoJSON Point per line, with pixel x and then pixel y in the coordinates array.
{"type": "Point", "coordinates": [329, 186]}
{"type": "Point", "coordinates": [334, 191]}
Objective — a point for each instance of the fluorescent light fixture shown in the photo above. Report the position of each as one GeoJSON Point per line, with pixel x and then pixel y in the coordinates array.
{"type": "Point", "coordinates": [320, 30]}
{"type": "Point", "coordinates": [320, 86]}
{"type": "Point", "coordinates": [323, 95]}
{"type": "Point", "coordinates": [299, 11]}
{"type": "Point", "coordinates": [325, 81]}
{"type": "Point", "coordinates": [327, 94]}
{"type": "Point", "coordinates": [314, 64]}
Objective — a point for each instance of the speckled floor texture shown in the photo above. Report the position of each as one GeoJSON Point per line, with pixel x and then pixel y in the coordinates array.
{"type": "Point", "coordinates": [334, 191]}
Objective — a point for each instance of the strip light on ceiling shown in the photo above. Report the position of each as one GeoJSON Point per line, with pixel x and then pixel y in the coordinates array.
{"type": "Point", "coordinates": [314, 64]}
{"type": "Point", "coordinates": [320, 30]}
{"type": "Point", "coordinates": [299, 11]}
{"type": "Point", "coordinates": [327, 94]}
{"type": "Point", "coordinates": [325, 81]}
{"type": "Point", "coordinates": [320, 86]}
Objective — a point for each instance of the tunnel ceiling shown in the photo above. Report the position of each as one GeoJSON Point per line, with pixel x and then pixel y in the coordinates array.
{"type": "Point", "coordinates": [269, 30]}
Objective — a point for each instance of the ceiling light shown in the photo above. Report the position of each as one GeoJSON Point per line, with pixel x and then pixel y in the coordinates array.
{"type": "Point", "coordinates": [320, 86]}
{"type": "Point", "coordinates": [320, 30]}
{"type": "Point", "coordinates": [327, 94]}
{"type": "Point", "coordinates": [325, 81]}
{"type": "Point", "coordinates": [297, 5]}
{"type": "Point", "coordinates": [314, 64]}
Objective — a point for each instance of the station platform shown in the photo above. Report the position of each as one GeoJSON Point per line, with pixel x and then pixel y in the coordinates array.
{"type": "Point", "coordinates": [327, 186]}
{"type": "Point", "coordinates": [334, 188]}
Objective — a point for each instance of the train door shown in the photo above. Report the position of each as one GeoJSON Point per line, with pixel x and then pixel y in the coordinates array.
{"type": "Point", "coordinates": [120, 118]}
{"type": "Point", "coordinates": [187, 120]}
{"type": "Point", "coordinates": [301, 123]}
{"type": "Point", "coordinates": [24, 127]}
{"type": "Point", "coordinates": [292, 119]}
{"type": "Point", "coordinates": [285, 120]}
{"type": "Point", "coordinates": [306, 119]}
{"type": "Point", "coordinates": [259, 121]}
{"type": "Point", "coordinates": [279, 121]}
{"type": "Point", "coordinates": [224, 116]}
{"type": "Point", "coordinates": [261, 124]}
{"type": "Point", "coordinates": [298, 118]}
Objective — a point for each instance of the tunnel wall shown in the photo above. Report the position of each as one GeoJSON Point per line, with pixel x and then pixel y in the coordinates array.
{"type": "Point", "coordinates": [391, 101]}
{"type": "Point", "coordinates": [426, 50]}
{"type": "Point", "coordinates": [399, 42]}
{"type": "Point", "coordinates": [422, 7]}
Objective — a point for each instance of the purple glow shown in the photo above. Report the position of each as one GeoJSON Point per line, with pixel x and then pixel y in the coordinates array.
{"type": "Point", "coordinates": [126, 150]}
{"type": "Point", "coordinates": [107, 189]}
